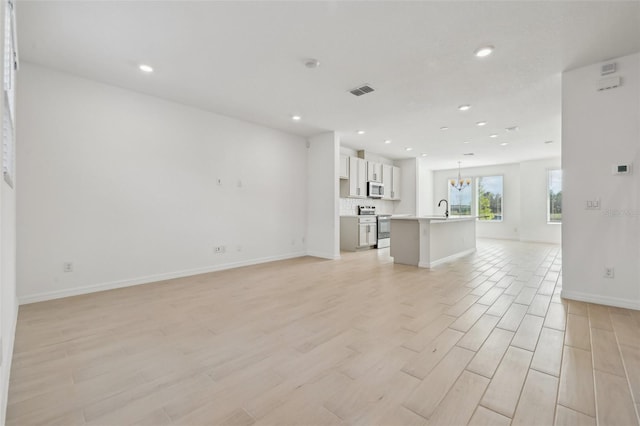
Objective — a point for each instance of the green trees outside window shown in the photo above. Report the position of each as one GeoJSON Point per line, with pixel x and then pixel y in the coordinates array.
{"type": "Point", "coordinates": [554, 200]}
{"type": "Point", "coordinates": [490, 190]}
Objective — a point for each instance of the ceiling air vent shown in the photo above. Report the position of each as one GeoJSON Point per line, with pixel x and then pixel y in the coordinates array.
{"type": "Point", "coordinates": [362, 90]}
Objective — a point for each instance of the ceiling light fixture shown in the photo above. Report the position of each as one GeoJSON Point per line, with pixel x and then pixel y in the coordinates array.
{"type": "Point", "coordinates": [408, 148]}
{"type": "Point", "coordinates": [504, 143]}
{"type": "Point", "coordinates": [512, 129]}
{"type": "Point", "coordinates": [361, 132]}
{"type": "Point", "coordinates": [466, 142]}
{"type": "Point", "coordinates": [388, 141]}
{"type": "Point", "coordinates": [484, 51]}
{"type": "Point", "coordinates": [444, 128]}
{"type": "Point", "coordinates": [493, 135]}
{"type": "Point", "coordinates": [145, 68]}
{"type": "Point", "coordinates": [481, 123]}
{"type": "Point", "coordinates": [460, 184]}
{"type": "Point", "coordinates": [423, 155]}
{"type": "Point", "coordinates": [465, 107]}
{"type": "Point", "coordinates": [296, 118]}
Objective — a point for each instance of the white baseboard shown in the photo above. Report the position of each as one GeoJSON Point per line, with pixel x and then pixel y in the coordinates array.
{"type": "Point", "coordinates": [58, 294]}
{"type": "Point", "coordinates": [445, 259]}
{"type": "Point", "coordinates": [6, 365]}
{"type": "Point", "coordinates": [322, 255]}
{"type": "Point", "coordinates": [601, 300]}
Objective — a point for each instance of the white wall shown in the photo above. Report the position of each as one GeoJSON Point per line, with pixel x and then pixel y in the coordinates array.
{"type": "Point", "coordinates": [8, 302]}
{"type": "Point", "coordinates": [534, 193]}
{"type": "Point", "coordinates": [125, 186]}
{"type": "Point", "coordinates": [524, 214]}
{"type": "Point", "coordinates": [600, 129]}
{"type": "Point", "coordinates": [408, 203]}
{"type": "Point", "coordinates": [323, 191]}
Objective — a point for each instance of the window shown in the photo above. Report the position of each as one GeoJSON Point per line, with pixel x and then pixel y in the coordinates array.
{"type": "Point", "coordinates": [554, 199]}
{"type": "Point", "coordinates": [460, 200]}
{"type": "Point", "coordinates": [8, 116]}
{"type": "Point", "coordinates": [489, 198]}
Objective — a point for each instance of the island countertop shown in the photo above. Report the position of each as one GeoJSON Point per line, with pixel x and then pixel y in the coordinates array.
{"type": "Point", "coordinates": [434, 218]}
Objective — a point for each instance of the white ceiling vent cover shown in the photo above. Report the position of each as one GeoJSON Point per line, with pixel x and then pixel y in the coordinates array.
{"type": "Point", "coordinates": [362, 90]}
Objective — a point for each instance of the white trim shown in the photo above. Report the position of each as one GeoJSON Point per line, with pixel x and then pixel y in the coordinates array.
{"type": "Point", "coordinates": [58, 294]}
{"type": "Point", "coordinates": [322, 255]}
{"type": "Point", "coordinates": [6, 364]}
{"type": "Point", "coordinates": [601, 300]}
{"type": "Point", "coordinates": [445, 259]}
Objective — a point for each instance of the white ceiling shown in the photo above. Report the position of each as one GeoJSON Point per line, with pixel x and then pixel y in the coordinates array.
{"type": "Point", "coordinates": [246, 59]}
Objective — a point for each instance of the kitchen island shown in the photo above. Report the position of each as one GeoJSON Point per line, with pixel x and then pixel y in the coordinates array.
{"type": "Point", "coordinates": [431, 240]}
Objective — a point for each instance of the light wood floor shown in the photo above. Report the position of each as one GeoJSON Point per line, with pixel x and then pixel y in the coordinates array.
{"type": "Point", "coordinates": [485, 340]}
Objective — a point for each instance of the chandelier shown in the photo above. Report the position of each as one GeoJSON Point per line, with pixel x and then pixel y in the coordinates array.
{"type": "Point", "coordinates": [460, 184]}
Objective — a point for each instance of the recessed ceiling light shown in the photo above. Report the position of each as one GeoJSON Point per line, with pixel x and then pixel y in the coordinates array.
{"type": "Point", "coordinates": [444, 128]}
{"type": "Point", "coordinates": [408, 148]}
{"type": "Point", "coordinates": [464, 107]}
{"type": "Point", "coordinates": [493, 135]}
{"type": "Point", "coordinates": [145, 68]}
{"type": "Point", "coordinates": [423, 155]}
{"type": "Point", "coordinates": [512, 129]}
{"type": "Point", "coordinates": [481, 123]}
{"type": "Point", "coordinates": [466, 142]}
{"type": "Point", "coordinates": [296, 118]}
{"type": "Point", "coordinates": [484, 51]}
{"type": "Point", "coordinates": [504, 143]}
{"type": "Point", "coordinates": [388, 141]}
{"type": "Point", "coordinates": [548, 141]}
{"type": "Point", "coordinates": [361, 132]}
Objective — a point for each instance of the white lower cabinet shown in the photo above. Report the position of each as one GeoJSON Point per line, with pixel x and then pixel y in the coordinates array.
{"type": "Point", "coordinates": [358, 232]}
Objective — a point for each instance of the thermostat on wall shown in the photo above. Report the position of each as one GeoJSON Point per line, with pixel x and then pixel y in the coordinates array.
{"type": "Point", "coordinates": [622, 169]}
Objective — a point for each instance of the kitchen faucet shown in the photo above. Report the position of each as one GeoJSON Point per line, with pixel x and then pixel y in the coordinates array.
{"type": "Point", "coordinates": [446, 212]}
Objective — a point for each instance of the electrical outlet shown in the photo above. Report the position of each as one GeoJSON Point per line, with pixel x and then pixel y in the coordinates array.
{"type": "Point", "coordinates": [219, 249]}
{"type": "Point", "coordinates": [592, 204]}
{"type": "Point", "coordinates": [609, 272]}
{"type": "Point", "coordinates": [67, 267]}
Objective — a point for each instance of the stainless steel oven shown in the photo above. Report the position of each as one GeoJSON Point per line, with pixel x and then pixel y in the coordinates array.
{"type": "Point", "coordinates": [384, 230]}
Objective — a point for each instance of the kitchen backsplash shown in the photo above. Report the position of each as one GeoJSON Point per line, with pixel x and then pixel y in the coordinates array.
{"type": "Point", "coordinates": [349, 206]}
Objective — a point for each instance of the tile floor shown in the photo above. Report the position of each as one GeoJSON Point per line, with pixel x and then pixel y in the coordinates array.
{"type": "Point", "coordinates": [485, 340]}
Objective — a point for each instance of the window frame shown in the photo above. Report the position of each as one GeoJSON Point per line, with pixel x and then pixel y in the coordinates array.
{"type": "Point", "coordinates": [10, 61]}
{"type": "Point", "coordinates": [548, 196]}
{"type": "Point", "coordinates": [477, 201]}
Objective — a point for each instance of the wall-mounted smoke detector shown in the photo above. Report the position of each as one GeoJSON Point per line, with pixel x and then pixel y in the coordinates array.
{"type": "Point", "coordinates": [362, 90]}
{"type": "Point", "coordinates": [312, 63]}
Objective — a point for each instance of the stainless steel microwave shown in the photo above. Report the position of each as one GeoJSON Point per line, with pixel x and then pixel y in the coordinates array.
{"type": "Point", "coordinates": [375, 190]}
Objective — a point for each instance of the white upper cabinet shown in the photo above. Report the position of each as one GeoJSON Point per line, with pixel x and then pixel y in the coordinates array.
{"type": "Point", "coordinates": [344, 167]}
{"type": "Point", "coordinates": [356, 186]}
{"type": "Point", "coordinates": [374, 172]}
{"type": "Point", "coordinates": [391, 182]}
